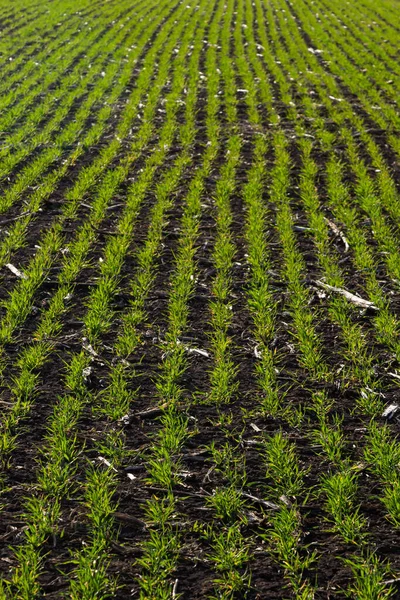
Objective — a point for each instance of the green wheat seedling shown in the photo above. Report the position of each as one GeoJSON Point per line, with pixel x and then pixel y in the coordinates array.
{"type": "Point", "coordinates": [120, 399]}
{"type": "Point", "coordinates": [303, 320]}
{"type": "Point", "coordinates": [370, 576]}
{"type": "Point", "coordinates": [161, 549]}
{"type": "Point", "coordinates": [286, 485]}
{"type": "Point", "coordinates": [344, 109]}
{"type": "Point", "coordinates": [340, 491]}
{"type": "Point", "coordinates": [230, 556]}
{"type": "Point", "coordinates": [329, 434]}
{"type": "Point", "coordinates": [341, 486]}
{"type": "Point", "coordinates": [309, 343]}
{"type": "Point", "coordinates": [227, 501]}
{"type": "Point", "coordinates": [285, 537]}
{"type": "Point", "coordinates": [382, 453]}
{"type": "Point", "coordinates": [91, 579]}
{"type": "Point", "coordinates": [65, 276]}
{"type": "Point", "coordinates": [99, 313]}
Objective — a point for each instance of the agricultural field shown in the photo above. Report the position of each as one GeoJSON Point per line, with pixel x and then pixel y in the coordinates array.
{"type": "Point", "coordinates": [199, 299]}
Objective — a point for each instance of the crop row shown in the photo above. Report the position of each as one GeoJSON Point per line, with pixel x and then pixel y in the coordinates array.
{"type": "Point", "coordinates": [199, 252]}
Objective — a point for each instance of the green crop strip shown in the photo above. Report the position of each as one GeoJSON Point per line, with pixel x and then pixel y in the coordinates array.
{"type": "Point", "coordinates": [332, 273]}
{"type": "Point", "coordinates": [260, 298]}
{"type": "Point", "coordinates": [50, 475]}
{"type": "Point", "coordinates": [223, 374]}
{"type": "Point", "coordinates": [31, 85]}
{"type": "Point", "coordinates": [227, 548]}
{"type": "Point", "coordinates": [127, 341]}
{"type": "Point", "coordinates": [73, 261]}
{"type": "Point", "coordinates": [91, 173]}
{"type": "Point", "coordinates": [161, 550]}
{"type": "Point", "coordinates": [199, 331]}
{"type": "Point", "coordinates": [19, 144]}
{"type": "Point", "coordinates": [310, 188]}
{"type": "Point", "coordinates": [21, 298]}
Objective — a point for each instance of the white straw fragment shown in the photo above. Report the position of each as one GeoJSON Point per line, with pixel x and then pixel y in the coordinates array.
{"type": "Point", "coordinates": [88, 347]}
{"type": "Point", "coordinates": [390, 411]}
{"type": "Point", "coordinates": [255, 427]}
{"type": "Point", "coordinates": [198, 351]}
{"type": "Point", "coordinates": [107, 463]}
{"type": "Point", "coordinates": [337, 231]}
{"type": "Point", "coordinates": [348, 295]}
{"type": "Point", "coordinates": [16, 271]}
{"type": "Point", "coordinates": [175, 589]}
